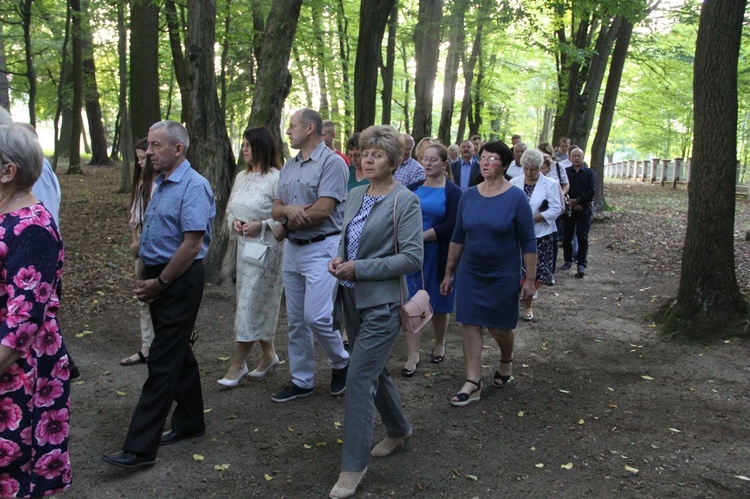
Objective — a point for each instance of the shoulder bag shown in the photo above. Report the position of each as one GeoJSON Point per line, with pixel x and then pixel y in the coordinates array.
{"type": "Point", "coordinates": [568, 212]}
{"type": "Point", "coordinates": [416, 312]}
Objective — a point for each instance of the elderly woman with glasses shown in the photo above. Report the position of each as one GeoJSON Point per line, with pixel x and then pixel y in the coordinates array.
{"type": "Point", "coordinates": [543, 194]}
{"type": "Point", "coordinates": [494, 232]}
{"type": "Point", "coordinates": [438, 200]}
{"type": "Point", "coordinates": [34, 365]}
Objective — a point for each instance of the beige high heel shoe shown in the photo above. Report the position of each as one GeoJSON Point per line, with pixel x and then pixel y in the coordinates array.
{"type": "Point", "coordinates": [388, 445]}
{"type": "Point", "coordinates": [339, 491]}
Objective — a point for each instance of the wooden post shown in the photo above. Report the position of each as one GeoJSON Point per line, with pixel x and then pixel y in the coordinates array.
{"type": "Point", "coordinates": [677, 171]}
{"type": "Point", "coordinates": [631, 169]}
{"type": "Point", "coordinates": [664, 171]}
{"type": "Point", "coordinates": [654, 169]}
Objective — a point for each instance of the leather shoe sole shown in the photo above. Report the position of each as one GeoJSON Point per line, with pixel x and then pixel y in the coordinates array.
{"type": "Point", "coordinates": [172, 436]}
{"type": "Point", "coordinates": [124, 459]}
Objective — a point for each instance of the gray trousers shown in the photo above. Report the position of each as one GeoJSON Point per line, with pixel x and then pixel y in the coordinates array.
{"type": "Point", "coordinates": [372, 333]}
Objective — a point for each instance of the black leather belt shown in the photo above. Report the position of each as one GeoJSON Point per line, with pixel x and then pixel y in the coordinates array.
{"type": "Point", "coordinates": [316, 239]}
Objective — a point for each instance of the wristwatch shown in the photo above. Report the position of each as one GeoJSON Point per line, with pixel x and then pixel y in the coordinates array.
{"type": "Point", "coordinates": [285, 221]}
{"type": "Point", "coordinates": [164, 284]}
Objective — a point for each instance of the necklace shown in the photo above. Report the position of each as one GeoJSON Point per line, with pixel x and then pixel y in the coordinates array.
{"type": "Point", "coordinates": [13, 200]}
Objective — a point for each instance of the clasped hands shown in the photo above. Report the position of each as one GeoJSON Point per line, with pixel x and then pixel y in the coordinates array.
{"type": "Point", "coordinates": [147, 290]}
{"type": "Point", "coordinates": [341, 269]}
{"type": "Point", "coordinates": [247, 229]}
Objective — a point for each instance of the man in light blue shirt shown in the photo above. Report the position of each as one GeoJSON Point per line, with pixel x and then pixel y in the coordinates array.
{"type": "Point", "coordinates": [466, 168]}
{"type": "Point", "coordinates": [175, 238]}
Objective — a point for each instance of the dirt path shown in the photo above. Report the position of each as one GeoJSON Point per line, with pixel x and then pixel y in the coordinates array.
{"type": "Point", "coordinates": [595, 391]}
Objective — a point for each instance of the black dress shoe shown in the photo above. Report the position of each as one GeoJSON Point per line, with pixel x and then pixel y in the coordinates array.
{"type": "Point", "coordinates": [124, 459]}
{"type": "Point", "coordinates": [173, 436]}
{"type": "Point", "coordinates": [406, 373]}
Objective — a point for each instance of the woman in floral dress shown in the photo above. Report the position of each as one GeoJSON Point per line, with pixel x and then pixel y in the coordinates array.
{"type": "Point", "coordinates": [258, 289]}
{"type": "Point", "coordinates": [34, 370]}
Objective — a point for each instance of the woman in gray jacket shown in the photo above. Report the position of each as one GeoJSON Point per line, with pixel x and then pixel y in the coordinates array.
{"type": "Point", "coordinates": [371, 288]}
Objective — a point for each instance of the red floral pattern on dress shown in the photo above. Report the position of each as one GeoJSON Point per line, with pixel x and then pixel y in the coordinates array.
{"type": "Point", "coordinates": [35, 390]}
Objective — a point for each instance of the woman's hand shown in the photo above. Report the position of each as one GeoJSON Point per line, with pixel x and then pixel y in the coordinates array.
{"type": "Point", "coordinates": [333, 265]}
{"type": "Point", "coordinates": [447, 285]}
{"type": "Point", "coordinates": [237, 226]}
{"type": "Point", "coordinates": [528, 289]}
{"type": "Point", "coordinates": [135, 249]}
{"type": "Point", "coordinates": [251, 229]}
{"type": "Point", "coordinates": [342, 270]}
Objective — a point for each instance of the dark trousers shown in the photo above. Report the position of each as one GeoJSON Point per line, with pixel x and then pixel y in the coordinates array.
{"type": "Point", "coordinates": [579, 225]}
{"type": "Point", "coordinates": [173, 373]}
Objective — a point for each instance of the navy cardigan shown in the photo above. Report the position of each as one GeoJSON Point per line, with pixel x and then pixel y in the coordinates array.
{"type": "Point", "coordinates": [444, 230]}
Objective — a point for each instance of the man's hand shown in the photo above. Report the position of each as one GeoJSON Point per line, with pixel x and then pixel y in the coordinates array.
{"type": "Point", "coordinates": [279, 232]}
{"type": "Point", "coordinates": [297, 216]}
{"type": "Point", "coordinates": [135, 248]}
{"type": "Point", "coordinates": [147, 291]}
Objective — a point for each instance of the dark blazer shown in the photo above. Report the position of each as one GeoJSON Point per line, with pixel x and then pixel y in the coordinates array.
{"type": "Point", "coordinates": [456, 169]}
{"type": "Point", "coordinates": [444, 230]}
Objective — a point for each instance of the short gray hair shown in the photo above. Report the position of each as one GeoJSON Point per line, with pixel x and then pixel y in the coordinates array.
{"type": "Point", "coordinates": [384, 137]}
{"type": "Point", "coordinates": [308, 116]}
{"type": "Point", "coordinates": [176, 133]}
{"type": "Point", "coordinates": [533, 158]}
{"type": "Point", "coordinates": [20, 146]}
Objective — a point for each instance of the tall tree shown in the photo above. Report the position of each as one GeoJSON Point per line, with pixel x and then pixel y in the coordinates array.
{"type": "Point", "coordinates": [126, 136]}
{"type": "Point", "coordinates": [24, 9]}
{"type": "Point", "coordinates": [607, 112]}
{"type": "Point", "coordinates": [387, 67]}
{"type": "Point", "coordinates": [426, 38]}
{"type": "Point", "coordinates": [99, 153]}
{"type": "Point", "coordinates": [708, 293]}
{"type": "Point", "coordinates": [4, 93]}
{"type": "Point", "coordinates": [456, 43]}
{"type": "Point", "coordinates": [77, 69]}
{"type": "Point", "coordinates": [342, 23]}
{"type": "Point", "coordinates": [373, 16]}
{"type": "Point", "coordinates": [144, 67]}
{"type": "Point", "coordinates": [274, 81]}
{"type": "Point", "coordinates": [174, 27]}
{"type": "Point", "coordinates": [210, 151]}
{"type": "Point", "coordinates": [468, 65]}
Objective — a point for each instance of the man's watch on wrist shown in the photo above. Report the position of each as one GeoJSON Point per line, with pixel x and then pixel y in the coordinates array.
{"type": "Point", "coordinates": [284, 222]}
{"type": "Point", "coordinates": [164, 284]}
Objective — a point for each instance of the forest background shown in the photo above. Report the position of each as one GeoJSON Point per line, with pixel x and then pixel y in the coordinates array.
{"type": "Point", "coordinates": [616, 76]}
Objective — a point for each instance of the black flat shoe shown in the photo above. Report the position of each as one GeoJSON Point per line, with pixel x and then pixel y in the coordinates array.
{"type": "Point", "coordinates": [437, 359]}
{"type": "Point", "coordinates": [406, 373]}
{"type": "Point", "coordinates": [172, 436]}
{"type": "Point", "coordinates": [124, 459]}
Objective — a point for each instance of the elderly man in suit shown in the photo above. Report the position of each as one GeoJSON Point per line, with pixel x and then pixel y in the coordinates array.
{"type": "Point", "coordinates": [466, 168]}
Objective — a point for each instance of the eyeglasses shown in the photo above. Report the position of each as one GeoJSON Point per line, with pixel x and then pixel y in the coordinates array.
{"type": "Point", "coordinates": [488, 159]}
{"type": "Point", "coordinates": [431, 160]}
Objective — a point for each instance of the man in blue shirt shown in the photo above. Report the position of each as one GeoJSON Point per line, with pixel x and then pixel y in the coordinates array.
{"type": "Point", "coordinates": [175, 238]}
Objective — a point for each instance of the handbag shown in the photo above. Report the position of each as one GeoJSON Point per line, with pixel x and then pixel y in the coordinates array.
{"type": "Point", "coordinates": [568, 212]}
{"type": "Point", "coordinates": [416, 312]}
{"type": "Point", "coordinates": [257, 253]}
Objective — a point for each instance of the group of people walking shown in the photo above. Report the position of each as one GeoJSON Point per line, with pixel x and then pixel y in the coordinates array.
{"type": "Point", "coordinates": [348, 244]}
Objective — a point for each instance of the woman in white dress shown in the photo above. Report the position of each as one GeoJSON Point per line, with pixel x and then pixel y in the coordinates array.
{"type": "Point", "coordinates": [258, 288]}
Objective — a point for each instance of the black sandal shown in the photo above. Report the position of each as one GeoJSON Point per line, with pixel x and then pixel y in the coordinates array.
{"type": "Point", "coordinates": [502, 379]}
{"type": "Point", "coordinates": [464, 399]}
{"type": "Point", "coordinates": [127, 361]}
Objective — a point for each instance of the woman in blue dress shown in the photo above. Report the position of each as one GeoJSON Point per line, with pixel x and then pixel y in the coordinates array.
{"type": "Point", "coordinates": [494, 231]}
{"type": "Point", "coordinates": [438, 198]}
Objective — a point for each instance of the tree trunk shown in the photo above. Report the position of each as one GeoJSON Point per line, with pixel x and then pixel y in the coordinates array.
{"type": "Point", "coordinates": [342, 23]}
{"type": "Point", "coordinates": [375, 13]}
{"type": "Point", "coordinates": [303, 72]}
{"type": "Point", "coordinates": [708, 292]}
{"type": "Point", "coordinates": [126, 137]}
{"type": "Point", "coordinates": [607, 113]}
{"type": "Point", "coordinates": [475, 117]}
{"type": "Point", "coordinates": [144, 67]}
{"type": "Point", "coordinates": [76, 122]}
{"type": "Point", "coordinates": [62, 140]}
{"type": "Point", "coordinates": [225, 56]}
{"type": "Point", "coordinates": [426, 40]}
{"type": "Point", "coordinates": [387, 69]}
{"type": "Point", "coordinates": [210, 151]}
{"type": "Point", "coordinates": [178, 59]}
{"type": "Point", "coordinates": [320, 60]}
{"type": "Point", "coordinates": [4, 92]}
{"type": "Point", "coordinates": [25, 7]}
{"type": "Point", "coordinates": [468, 66]}
{"type": "Point", "coordinates": [274, 81]}
{"type": "Point", "coordinates": [99, 153]}
{"type": "Point", "coordinates": [453, 58]}
{"type": "Point", "coordinates": [548, 116]}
